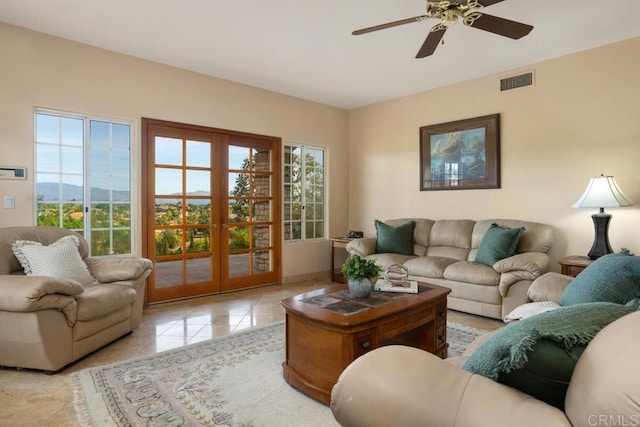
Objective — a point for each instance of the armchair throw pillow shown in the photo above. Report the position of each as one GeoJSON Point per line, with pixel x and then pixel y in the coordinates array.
{"type": "Point", "coordinates": [611, 278]}
{"type": "Point", "coordinates": [397, 240]}
{"type": "Point", "coordinates": [498, 243]}
{"type": "Point", "coordinates": [60, 259]}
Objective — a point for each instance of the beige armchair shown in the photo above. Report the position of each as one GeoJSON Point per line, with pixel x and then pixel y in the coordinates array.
{"type": "Point", "coordinates": [47, 323]}
{"type": "Point", "coordinates": [404, 386]}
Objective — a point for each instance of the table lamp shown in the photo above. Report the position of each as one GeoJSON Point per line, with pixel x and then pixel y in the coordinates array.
{"type": "Point", "coordinates": [602, 192]}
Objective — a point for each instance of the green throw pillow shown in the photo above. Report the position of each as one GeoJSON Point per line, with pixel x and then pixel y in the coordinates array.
{"type": "Point", "coordinates": [498, 243]}
{"type": "Point", "coordinates": [537, 355]}
{"type": "Point", "coordinates": [397, 240]}
{"type": "Point", "coordinates": [611, 278]}
{"type": "Point", "coordinates": [546, 373]}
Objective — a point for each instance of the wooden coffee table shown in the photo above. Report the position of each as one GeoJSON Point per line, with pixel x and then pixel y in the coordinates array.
{"type": "Point", "coordinates": [327, 329]}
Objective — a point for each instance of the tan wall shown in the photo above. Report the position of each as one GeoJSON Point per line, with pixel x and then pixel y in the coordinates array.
{"type": "Point", "coordinates": [49, 72]}
{"type": "Point", "coordinates": [581, 119]}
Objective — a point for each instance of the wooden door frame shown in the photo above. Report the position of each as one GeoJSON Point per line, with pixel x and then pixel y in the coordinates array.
{"type": "Point", "coordinates": [147, 213]}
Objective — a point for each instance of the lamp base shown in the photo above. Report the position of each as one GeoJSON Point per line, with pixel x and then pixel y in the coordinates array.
{"type": "Point", "coordinates": [601, 244]}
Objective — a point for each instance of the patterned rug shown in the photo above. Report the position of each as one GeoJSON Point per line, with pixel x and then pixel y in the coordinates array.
{"type": "Point", "coordinates": [233, 381]}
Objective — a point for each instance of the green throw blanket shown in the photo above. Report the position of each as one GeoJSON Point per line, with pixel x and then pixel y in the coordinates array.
{"type": "Point", "coordinates": [568, 326]}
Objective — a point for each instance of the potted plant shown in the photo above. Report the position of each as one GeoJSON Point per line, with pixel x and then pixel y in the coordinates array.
{"type": "Point", "coordinates": [360, 274]}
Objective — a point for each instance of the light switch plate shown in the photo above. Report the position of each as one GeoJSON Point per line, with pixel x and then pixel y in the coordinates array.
{"type": "Point", "coordinates": [9, 202]}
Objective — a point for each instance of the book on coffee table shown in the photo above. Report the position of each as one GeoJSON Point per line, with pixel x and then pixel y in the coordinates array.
{"type": "Point", "coordinates": [408, 287]}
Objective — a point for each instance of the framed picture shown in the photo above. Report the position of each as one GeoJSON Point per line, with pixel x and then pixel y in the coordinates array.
{"type": "Point", "coordinates": [461, 155]}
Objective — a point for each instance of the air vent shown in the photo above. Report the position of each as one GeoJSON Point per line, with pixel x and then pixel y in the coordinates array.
{"type": "Point", "coordinates": [515, 82]}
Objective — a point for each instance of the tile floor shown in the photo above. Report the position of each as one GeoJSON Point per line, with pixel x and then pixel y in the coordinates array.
{"type": "Point", "coordinates": [30, 398]}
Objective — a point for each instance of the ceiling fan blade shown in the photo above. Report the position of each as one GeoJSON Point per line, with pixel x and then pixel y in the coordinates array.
{"type": "Point", "coordinates": [431, 42]}
{"type": "Point", "coordinates": [389, 25]}
{"type": "Point", "coordinates": [486, 3]}
{"type": "Point", "coordinates": [500, 26]}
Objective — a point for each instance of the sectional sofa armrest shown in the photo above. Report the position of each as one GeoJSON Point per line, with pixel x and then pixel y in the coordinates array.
{"type": "Point", "coordinates": [362, 247]}
{"type": "Point", "coordinates": [525, 266]}
{"type": "Point", "coordinates": [548, 287]}
{"type": "Point", "coordinates": [404, 386]}
{"type": "Point", "coordinates": [34, 293]}
{"type": "Point", "coordinates": [108, 270]}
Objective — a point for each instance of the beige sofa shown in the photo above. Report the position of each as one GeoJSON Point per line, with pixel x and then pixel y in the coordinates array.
{"type": "Point", "coordinates": [47, 323]}
{"type": "Point", "coordinates": [444, 251]}
{"type": "Point", "coordinates": [404, 386]}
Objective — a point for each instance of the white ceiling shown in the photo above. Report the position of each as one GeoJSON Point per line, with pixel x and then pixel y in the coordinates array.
{"type": "Point", "coordinates": [304, 48]}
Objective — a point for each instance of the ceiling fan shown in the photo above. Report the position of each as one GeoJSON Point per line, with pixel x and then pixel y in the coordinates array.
{"type": "Point", "coordinates": [448, 12]}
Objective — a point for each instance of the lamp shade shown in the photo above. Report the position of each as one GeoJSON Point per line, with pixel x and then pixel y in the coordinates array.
{"type": "Point", "coordinates": [602, 192]}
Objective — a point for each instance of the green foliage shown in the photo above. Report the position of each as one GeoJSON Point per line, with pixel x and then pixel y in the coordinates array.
{"type": "Point", "coordinates": [357, 268]}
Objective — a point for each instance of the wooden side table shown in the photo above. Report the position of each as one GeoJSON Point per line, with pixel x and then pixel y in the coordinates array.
{"type": "Point", "coordinates": [339, 243]}
{"type": "Point", "coordinates": [572, 265]}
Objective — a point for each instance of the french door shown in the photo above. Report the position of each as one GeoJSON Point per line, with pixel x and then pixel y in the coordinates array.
{"type": "Point", "coordinates": [212, 200]}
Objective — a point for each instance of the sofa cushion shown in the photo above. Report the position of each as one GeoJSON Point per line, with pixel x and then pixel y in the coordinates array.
{"type": "Point", "coordinates": [102, 299]}
{"type": "Point", "coordinates": [498, 243]}
{"type": "Point", "coordinates": [612, 278]}
{"type": "Point", "coordinates": [60, 259]}
{"type": "Point", "coordinates": [428, 266]}
{"type": "Point", "coordinates": [398, 239]}
{"type": "Point", "coordinates": [387, 260]}
{"type": "Point", "coordinates": [471, 272]}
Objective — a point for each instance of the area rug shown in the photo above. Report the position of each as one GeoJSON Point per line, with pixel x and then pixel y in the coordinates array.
{"type": "Point", "coordinates": [234, 381]}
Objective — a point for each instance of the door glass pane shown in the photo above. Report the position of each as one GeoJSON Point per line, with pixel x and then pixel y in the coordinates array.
{"type": "Point", "coordinates": [168, 151]}
{"type": "Point", "coordinates": [198, 183]}
{"type": "Point", "coordinates": [239, 265]}
{"type": "Point", "coordinates": [262, 210]}
{"type": "Point", "coordinates": [198, 154]}
{"type": "Point", "coordinates": [168, 273]}
{"type": "Point", "coordinates": [261, 236]}
{"type": "Point", "coordinates": [198, 211]}
{"type": "Point", "coordinates": [238, 210]}
{"type": "Point", "coordinates": [168, 181]}
{"type": "Point", "coordinates": [198, 270]}
{"type": "Point", "coordinates": [238, 184]}
{"type": "Point", "coordinates": [168, 212]}
{"type": "Point", "coordinates": [198, 240]}
{"type": "Point", "coordinates": [168, 242]}
{"type": "Point", "coordinates": [262, 186]}
{"type": "Point", "coordinates": [262, 160]}
{"type": "Point", "coordinates": [262, 261]}
{"type": "Point", "coordinates": [238, 238]}
{"type": "Point", "coordinates": [238, 157]}
{"type": "Point", "coordinates": [121, 215]}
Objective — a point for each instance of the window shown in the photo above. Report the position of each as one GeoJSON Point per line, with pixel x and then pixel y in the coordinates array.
{"type": "Point", "coordinates": [304, 193]}
{"type": "Point", "coordinates": [83, 179]}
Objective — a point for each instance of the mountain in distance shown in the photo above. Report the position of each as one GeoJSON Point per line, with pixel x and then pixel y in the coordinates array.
{"type": "Point", "coordinates": [48, 191]}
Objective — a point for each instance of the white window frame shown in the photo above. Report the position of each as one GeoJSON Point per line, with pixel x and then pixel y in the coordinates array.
{"type": "Point", "coordinates": [304, 203]}
{"type": "Point", "coordinates": [86, 174]}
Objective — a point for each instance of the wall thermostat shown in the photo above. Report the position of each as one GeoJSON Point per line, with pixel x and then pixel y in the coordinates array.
{"type": "Point", "coordinates": [7, 172]}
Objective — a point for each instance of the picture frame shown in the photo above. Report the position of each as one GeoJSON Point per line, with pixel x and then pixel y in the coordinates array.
{"type": "Point", "coordinates": [461, 155]}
